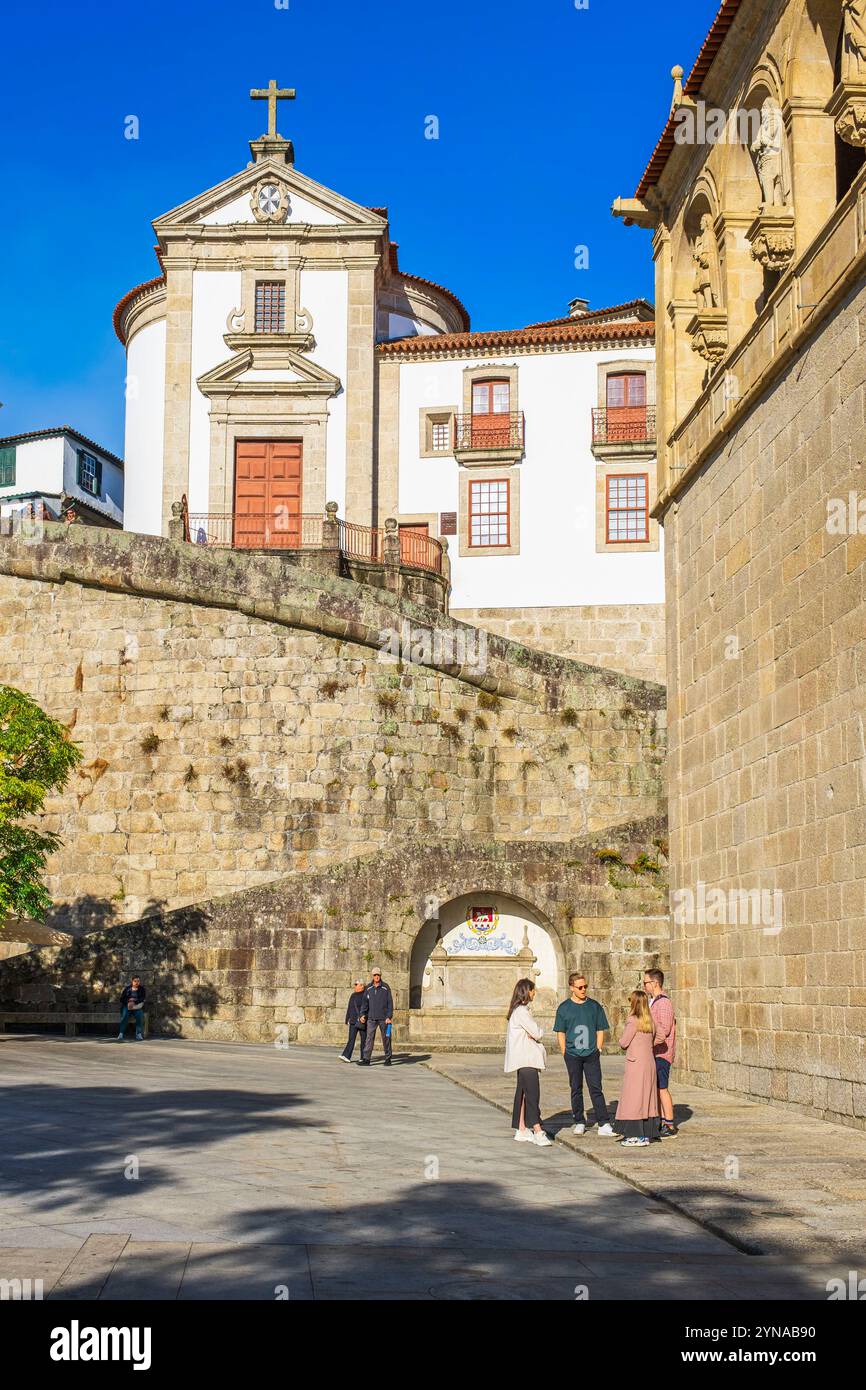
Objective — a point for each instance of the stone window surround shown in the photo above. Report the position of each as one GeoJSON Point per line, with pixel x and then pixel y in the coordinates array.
{"type": "Point", "coordinates": [489, 473]}
{"type": "Point", "coordinates": [619, 367]}
{"type": "Point", "coordinates": [228, 428]}
{"type": "Point", "coordinates": [428, 416]}
{"type": "Point", "coordinates": [602, 473]}
{"type": "Point", "coordinates": [253, 275]}
{"type": "Point", "coordinates": [490, 371]}
{"type": "Point", "coordinates": [418, 519]}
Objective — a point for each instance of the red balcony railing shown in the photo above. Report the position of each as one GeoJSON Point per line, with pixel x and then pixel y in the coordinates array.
{"type": "Point", "coordinates": [477, 432]}
{"type": "Point", "coordinates": [630, 424]}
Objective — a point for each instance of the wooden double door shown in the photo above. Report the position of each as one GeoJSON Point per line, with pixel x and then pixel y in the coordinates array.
{"type": "Point", "coordinates": [268, 484]}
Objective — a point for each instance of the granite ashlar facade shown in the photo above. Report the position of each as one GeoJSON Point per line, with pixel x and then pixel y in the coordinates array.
{"type": "Point", "coordinates": [241, 731]}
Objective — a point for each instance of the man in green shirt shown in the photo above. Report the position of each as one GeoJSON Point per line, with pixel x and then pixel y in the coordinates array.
{"type": "Point", "coordinates": [580, 1026]}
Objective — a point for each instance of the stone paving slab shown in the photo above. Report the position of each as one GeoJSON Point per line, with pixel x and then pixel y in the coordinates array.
{"type": "Point", "coordinates": [261, 1169]}
{"type": "Point", "coordinates": [767, 1179]}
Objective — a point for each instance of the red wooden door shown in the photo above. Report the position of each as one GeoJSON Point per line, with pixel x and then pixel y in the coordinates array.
{"type": "Point", "coordinates": [491, 418]}
{"type": "Point", "coordinates": [414, 548]}
{"type": "Point", "coordinates": [626, 407]}
{"type": "Point", "coordinates": [268, 474]}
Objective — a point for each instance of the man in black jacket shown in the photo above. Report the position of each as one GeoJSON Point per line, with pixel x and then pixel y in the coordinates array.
{"type": "Point", "coordinates": [132, 1002]}
{"type": "Point", "coordinates": [357, 1001]}
{"type": "Point", "coordinates": [378, 1013]}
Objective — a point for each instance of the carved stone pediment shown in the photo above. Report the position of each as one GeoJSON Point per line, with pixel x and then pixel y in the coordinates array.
{"type": "Point", "coordinates": [847, 106]}
{"type": "Point", "coordinates": [772, 238]}
{"type": "Point", "coordinates": [708, 330]}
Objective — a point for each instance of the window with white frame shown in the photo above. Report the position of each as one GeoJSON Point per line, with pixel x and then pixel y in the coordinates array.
{"type": "Point", "coordinates": [88, 473]}
{"type": "Point", "coordinates": [440, 436]}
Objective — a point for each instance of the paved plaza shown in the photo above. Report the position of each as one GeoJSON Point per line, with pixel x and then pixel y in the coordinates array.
{"type": "Point", "coordinates": [180, 1170]}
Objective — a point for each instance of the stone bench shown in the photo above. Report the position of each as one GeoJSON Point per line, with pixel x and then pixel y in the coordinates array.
{"type": "Point", "coordinates": [70, 1021]}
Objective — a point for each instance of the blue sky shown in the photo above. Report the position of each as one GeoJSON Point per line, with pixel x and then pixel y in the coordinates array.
{"type": "Point", "coordinates": [546, 113]}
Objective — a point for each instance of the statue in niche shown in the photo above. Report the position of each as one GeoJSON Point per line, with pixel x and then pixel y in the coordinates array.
{"type": "Point", "coordinates": [767, 154]}
{"type": "Point", "coordinates": [705, 254]}
{"type": "Point", "coordinates": [854, 42]}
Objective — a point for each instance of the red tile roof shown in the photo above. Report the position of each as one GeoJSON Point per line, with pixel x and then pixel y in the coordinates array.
{"type": "Point", "coordinates": [610, 314]}
{"type": "Point", "coordinates": [704, 61]}
{"type": "Point", "coordinates": [536, 335]}
{"type": "Point", "coordinates": [123, 304]}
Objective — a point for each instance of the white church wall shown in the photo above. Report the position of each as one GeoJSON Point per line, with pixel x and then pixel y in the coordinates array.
{"type": "Point", "coordinates": [238, 210]}
{"type": "Point", "coordinates": [325, 293]}
{"type": "Point", "coordinates": [38, 467]}
{"type": "Point", "coordinates": [401, 326]}
{"type": "Point", "coordinates": [214, 294]}
{"type": "Point", "coordinates": [558, 565]}
{"type": "Point", "coordinates": [145, 422]}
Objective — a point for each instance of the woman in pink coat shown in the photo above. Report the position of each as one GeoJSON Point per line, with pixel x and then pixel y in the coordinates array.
{"type": "Point", "coordinates": [637, 1111]}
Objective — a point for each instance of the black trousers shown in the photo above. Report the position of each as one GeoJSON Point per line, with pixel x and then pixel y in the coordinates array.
{"type": "Point", "coordinates": [529, 1092]}
{"type": "Point", "coordinates": [354, 1030]}
{"type": "Point", "coordinates": [589, 1068]}
{"type": "Point", "coordinates": [372, 1025]}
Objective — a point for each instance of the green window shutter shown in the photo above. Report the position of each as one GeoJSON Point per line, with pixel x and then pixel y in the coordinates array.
{"type": "Point", "coordinates": [7, 465]}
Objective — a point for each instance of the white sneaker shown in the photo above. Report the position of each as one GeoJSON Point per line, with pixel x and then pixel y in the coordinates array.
{"type": "Point", "coordinates": [344, 1058]}
{"type": "Point", "coordinates": [541, 1140]}
{"type": "Point", "coordinates": [606, 1130]}
{"type": "Point", "coordinates": [578, 1129]}
{"type": "Point", "coordinates": [523, 1136]}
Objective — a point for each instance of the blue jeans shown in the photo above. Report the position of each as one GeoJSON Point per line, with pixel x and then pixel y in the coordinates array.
{"type": "Point", "coordinates": [138, 1016]}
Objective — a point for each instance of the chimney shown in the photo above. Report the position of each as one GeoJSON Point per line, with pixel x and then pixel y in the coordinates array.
{"type": "Point", "coordinates": [578, 307]}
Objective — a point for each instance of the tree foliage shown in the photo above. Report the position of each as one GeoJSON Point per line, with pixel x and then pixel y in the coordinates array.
{"type": "Point", "coordinates": [36, 757]}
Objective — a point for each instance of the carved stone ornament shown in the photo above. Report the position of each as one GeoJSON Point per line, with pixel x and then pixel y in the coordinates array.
{"type": "Point", "coordinates": [708, 331]}
{"type": "Point", "coordinates": [269, 200]}
{"type": "Point", "coordinates": [236, 321]}
{"type": "Point", "coordinates": [772, 238]}
{"type": "Point", "coordinates": [847, 106]}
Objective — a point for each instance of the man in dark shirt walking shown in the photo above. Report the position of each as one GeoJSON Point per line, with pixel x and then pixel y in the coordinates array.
{"type": "Point", "coordinates": [378, 1013]}
{"type": "Point", "coordinates": [132, 1002]}
{"type": "Point", "coordinates": [357, 1001]}
{"type": "Point", "coordinates": [580, 1026]}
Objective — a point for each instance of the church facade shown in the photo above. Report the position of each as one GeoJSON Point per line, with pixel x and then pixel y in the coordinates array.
{"type": "Point", "coordinates": [283, 361]}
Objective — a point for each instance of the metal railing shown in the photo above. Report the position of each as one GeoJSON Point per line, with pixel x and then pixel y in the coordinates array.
{"type": "Point", "coordinates": [280, 530]}
{"type": "Point", "coordinates": [275, 530]}
{"type": "Point", "coordinates": [489, 431]}
{"type": "Point", "coordinates": [631, 424]}
{"type": "Point", "coordinates": [424, 552]}
{"type": "Point", "coordinates": [360, 542]}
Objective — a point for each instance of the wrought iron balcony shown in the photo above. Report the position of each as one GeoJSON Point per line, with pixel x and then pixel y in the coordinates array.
{"type": "Point", "coordinates": [497, 435]}
{"type": "Point", "coordinates": [632, 424]}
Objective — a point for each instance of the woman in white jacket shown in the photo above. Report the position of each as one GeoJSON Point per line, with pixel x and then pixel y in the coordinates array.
{"type": "Point", "coordinates": [524, 1053]}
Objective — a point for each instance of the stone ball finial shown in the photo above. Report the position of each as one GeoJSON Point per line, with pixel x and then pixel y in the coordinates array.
{"type": "Point", "coordinates": [331, 508]}
{"type": "Point", "coordinates": [443, 541]}
{"type": "Point", "coordinates": [390, 524]}
{"type": "Point", "coordinates": [176, 509]}
{"type": "Point", "coordinates": [677, 75]}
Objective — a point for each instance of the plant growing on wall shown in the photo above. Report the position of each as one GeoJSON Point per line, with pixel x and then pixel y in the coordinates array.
{"type": "Point", "coordinates": [36, 757]}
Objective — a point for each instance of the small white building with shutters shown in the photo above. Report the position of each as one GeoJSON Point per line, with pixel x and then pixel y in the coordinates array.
{"type": "Point", "coordinates": [56, 474]}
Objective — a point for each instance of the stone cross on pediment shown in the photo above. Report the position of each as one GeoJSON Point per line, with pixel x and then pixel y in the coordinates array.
{"type": "Point", "coordinates": [272, 94]}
